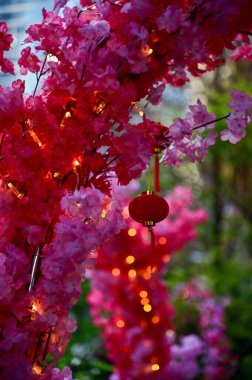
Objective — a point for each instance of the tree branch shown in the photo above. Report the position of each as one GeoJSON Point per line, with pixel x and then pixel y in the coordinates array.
{"type": "Point", "coordinates": [244, 32]}
{"type": "Point", "coordinates": [40, 75]}
{"type": "Point", "coordinates": [212, 121]}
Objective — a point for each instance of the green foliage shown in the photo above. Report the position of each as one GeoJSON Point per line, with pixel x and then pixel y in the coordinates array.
{"type": "Point", "coordinates": [85, 353]}
{"type": "Point", "coordinates": [236, 282]}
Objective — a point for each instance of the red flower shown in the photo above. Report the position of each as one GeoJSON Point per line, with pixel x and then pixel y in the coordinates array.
{"type": "Point", "coordinates": [28, 62]}
{"type": "Point", "coordinates": [5, 41]}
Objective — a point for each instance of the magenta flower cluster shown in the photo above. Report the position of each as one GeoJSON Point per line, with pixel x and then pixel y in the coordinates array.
{"type": "Point", "coordinates": [209, 352]}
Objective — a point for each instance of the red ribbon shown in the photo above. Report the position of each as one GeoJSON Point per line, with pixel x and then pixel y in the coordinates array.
{"type": "Point", "coordinates": [156, 174]}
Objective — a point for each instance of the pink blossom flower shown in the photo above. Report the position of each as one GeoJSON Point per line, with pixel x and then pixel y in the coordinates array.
{"type": "Point", "coordinates": [180, 128]}
{"type": "Point", "coordinates": [83, 202]}
{"type": "Point", "coordinates": [199, 114]}
{"type": "Point", "coordinates": [5, 42]}
{"type": "Point", "coordinates": [241, 105]}
{"type": "Point", "coordinates": [155, 94]}
{"type": "Point", "coordinates": [240, 101]}
{"type": "Point", "coordinates": [171, 19]}
{"type": "Point", "coordinates": [28, 62]}
{"type": "Point", "coordinates": [58, 4]}
{"type": "Point", "coordinates": [242, 52]}
{"type": "Point", "coordinates": [184, 357]}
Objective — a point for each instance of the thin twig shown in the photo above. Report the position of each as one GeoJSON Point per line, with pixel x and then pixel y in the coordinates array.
{"type": "Point", "coordinates": [211, 122]}
{"type": "Point", "coordinates": [103, 170]}
{"type": "Point", "coordinates": [47, 344]}
{"type": "Point", "coordinates": [1, 142]}
{"type": "Point", "coordinates": [39, 75]}
{"type": "Point", "coordinates": [45, 72]}
{"type": "Point", "coordinates": [83, 71]}
{"type": "Point", "coordinates": [78, 179]}
{"type": "Point", "coordinates": [244, 32]}
{"type": "Point", "coordinates": [87, 167]}
{"type": "Point", "coordinates": [40, 341]}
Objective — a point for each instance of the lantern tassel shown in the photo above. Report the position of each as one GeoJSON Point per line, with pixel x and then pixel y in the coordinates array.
{"type": "Point", "coordinates": [156, 174]}
{"type": "Point", "coordinates": [153, 246]}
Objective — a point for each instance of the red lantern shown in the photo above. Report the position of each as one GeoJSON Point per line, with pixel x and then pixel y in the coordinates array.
{"type": "Point", "coordinates": [160, 145]}
{"type": "Point", "coordinates": [148, 208]}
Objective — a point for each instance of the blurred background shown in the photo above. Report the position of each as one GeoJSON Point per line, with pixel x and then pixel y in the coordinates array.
{"type": "Point", "coordinates": [221, 256]}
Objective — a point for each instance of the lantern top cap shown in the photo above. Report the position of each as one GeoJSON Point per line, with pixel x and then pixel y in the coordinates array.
{"type": "Point", "coordinates": [148, 192]}
{"type": "Point", "coordinates": [158, 149]}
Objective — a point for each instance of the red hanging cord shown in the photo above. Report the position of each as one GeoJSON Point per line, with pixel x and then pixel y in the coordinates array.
{"type": "Point", "coordinates": [156, 174]}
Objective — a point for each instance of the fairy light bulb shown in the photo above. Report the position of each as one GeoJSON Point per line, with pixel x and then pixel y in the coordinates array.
{"type": "Point", "coordinates": [99, 103]}
{"type": "Point", "coordinates": [155, 367]}
{"type": "Point", "coordinates": [34, 307]}
{"type": "Point", "coordinates": [35, 138]}
{"type": "Point", "coordinates": [104, 213]}
{"type": "Point", "coordinates": [155, 319]}
{"type": "Point", "coordinates": [15, 190]}
{"type": "Point", "coordinates": [100, 107]}
{"type": "Point", "coordinates": [37, 369]}
{"type": "Point", "coordinates": [146, 50]}
{"type": "Point", "coordinates": [69, 110]}
{"type": "Point", "coordinates": [76, 162]}
{"type": "Point", "coordinates": [116, 272]}
{"type": "Point", "coordinates": [130, 259]}
{"type": "Point", "coordinates": [145, 301]}
{"type": "Point", "coordinates": [76, 165]}
{"type": "Point", "coordinates": [162, 240]}
{"type": "Point", "coordinates": [66, 116]}
{"type": "Point", "coordinates": [34, 310]}
{"type": "Point", "coordinates": [132, 232]}
{"type": "Point", "coordinates": [147, 275]}
{"type": "Point", "coordinates": [143, 294]}
{"type": "Point", "coordinates": [147, 307]}
{"type": "Point", "coordinates": [56, 174]}
{"type": "Point", "coordinates": [29, 125]}
{"type": "Point", "coordinates": [132, 274]}
{"type": "Point", "coordinates": [138, 109]}
{"type": "Point", "coordinates": [120, 323]}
